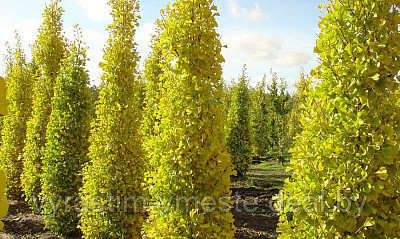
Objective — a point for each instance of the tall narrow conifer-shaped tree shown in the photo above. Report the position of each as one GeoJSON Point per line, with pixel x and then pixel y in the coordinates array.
{"type": "Point", "coordinates": [114, 177]}
{"type": "Point", "coordinates": [48, 50]}
{"type": "Point", "coordinates": [260, 122]}
{"type": "Point", "coordinates": [3, 103]}
{"type": "Point", "coordinates": [67, 141]}
{"type": "Point", "coordinates": [239, 141]}
{"type": "Point", "coordinates": [19, 86]}
{"type": "Point", "coordinates": [303, 88]}
{"type": "Point", "coordinates": [153, 84]}
{"type": "Point", "coordinates": [345, 162]}
{"type": "Point", "coordinates": [152, 78]}
{"type": "Point", "coordinates": [190, 160]}
{"type": "Point", "coordinates": [1, 129]}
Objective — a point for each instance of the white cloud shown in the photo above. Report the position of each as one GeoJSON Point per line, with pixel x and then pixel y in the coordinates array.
{"type": "Point", "coordinates": [250, 46]}
{"type": "Point", "coordinates": [95, 41]}
{"type": "Point", "coordinates": [97, 10]}
{"type": "Point", "coordinates": [234, 7]}
{"type": "Point", "coordinates": [291, 58]}
{"type": "Point", "coordinates": [252, 15]}
{"type": "Point", "coordinates": [261, 50]}
{"type": "Point", "coordinates": [255, 15]}
{"type": "Point", "coordinates": [143, 37]}
{"type": "Point", "coordinates": [27, 30]}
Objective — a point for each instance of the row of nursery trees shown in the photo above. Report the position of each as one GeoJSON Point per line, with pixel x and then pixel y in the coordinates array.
{"type": "Point", "coordinates": [96, 175]}
{"type": "Point", "coordinates": [259, 120]}
{"type": "Point", "coordinates": [177, 140]}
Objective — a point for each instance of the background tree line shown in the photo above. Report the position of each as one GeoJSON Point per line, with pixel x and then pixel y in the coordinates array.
{"type": "Point", "coordinates": [262, 119]}
{"type": "Point", "coordinates": [50, 153]}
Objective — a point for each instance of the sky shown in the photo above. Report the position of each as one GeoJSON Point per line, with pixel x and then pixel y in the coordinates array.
{"type": "Point", "coordinates": [263, 34]}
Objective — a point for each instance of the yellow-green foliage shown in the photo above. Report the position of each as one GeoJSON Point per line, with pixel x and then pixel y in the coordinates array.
{"type": "Point", "coordinates": [19, 82]}
{"type": "Point", "coordinates": [239, 144]}
{"type": "Point", "coordinates": [1, 129]}
{"type": "Point", "coordinates": [67, 142]}
{"type": "Point", "coordinates": [3, 198]}
{"type": "Point", "coordinates": [151, 77]}
{"type": "Point", "coordinates": [190, 161]}
{"type": "Point", "coordinates": [153, 84]}
{"type": "Point", "coordinates": [303, 87]}
{"type": "Point", "coordinates": [260, 123]}
{"type": "Point", "coordinates": [3, 97]}
{"type": "Point", "coordinates": [346, 160]}
{"type": "Point", "coordinates": [47, 51]}
{"type": "Point", "coordinates": [115, 173]}
{"type": "Point", "coordinates": [3, 104]}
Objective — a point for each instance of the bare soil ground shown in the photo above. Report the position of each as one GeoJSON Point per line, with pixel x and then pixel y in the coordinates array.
{"type": "Point", "coordinates": [255, 193]}
{"type": "Point", "coordinates": [22, 223]}
{"type": "Point", "coordinates": [253, 212]}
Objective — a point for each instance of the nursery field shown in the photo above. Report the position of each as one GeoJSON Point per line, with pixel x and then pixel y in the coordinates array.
{"type": "Point", "coordinates": [253, 193]}
{"type": "Point", "coordinates": [156, 151]}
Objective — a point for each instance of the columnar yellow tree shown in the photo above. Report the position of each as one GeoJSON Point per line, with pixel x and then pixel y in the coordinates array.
{"type": "Point", "coordinates": [152, 78]}
{"type": "Point", "coordinates": [3, 111]}
{"type": "Point", "coordinates": [114, 177]}
{"type": "Point", "coordinates": [346, 160]}
{"type": "Point", "coordinates": [67, 142]}
{"type": "Point", "coordinates": [19, 82]}
{"type": "Point", "coordinates": [153, 84]}
{"type": "Point", "coordinates": [47, 51]}
{"type": "Point", "coordinates": [191, 166]}
{"type": "Point", "coordinates": [3, 97]}
{"type": "Point", "coordinates": [303, 88]}
{"type": "Point", "coordinates": [1, 129]}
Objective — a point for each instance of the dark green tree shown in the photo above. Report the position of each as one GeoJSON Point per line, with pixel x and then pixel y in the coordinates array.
{"type": "Point", "coordinates": [239, 140]}
{"type": "Point", "coordinates": [67, 141]}
{"type": "Point", "coordinates": [280, 140]}
{"type": "Point", "coordinates": [260, 119]}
